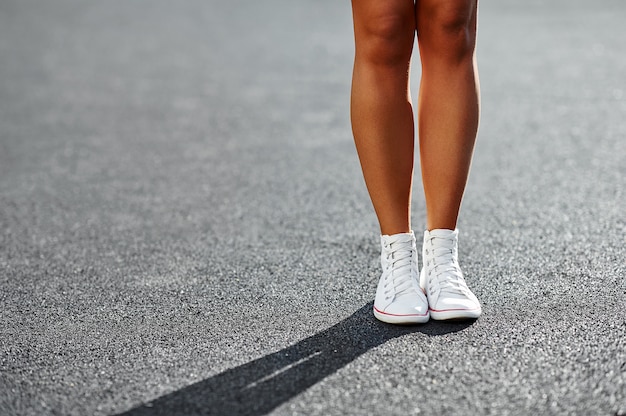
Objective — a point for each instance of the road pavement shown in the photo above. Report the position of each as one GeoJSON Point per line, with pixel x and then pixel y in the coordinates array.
{"type": "Point", "coordinates": [184, 228]}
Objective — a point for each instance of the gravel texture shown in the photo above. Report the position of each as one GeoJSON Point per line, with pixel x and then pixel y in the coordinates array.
{"type": "Point", "coordinates": [184, 228]}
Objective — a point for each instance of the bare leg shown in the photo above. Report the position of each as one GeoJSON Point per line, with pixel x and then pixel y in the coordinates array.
{"type": "Point", "coordinates": [381, 111]}
{"type": "Point", "coordinates": [448, 107]}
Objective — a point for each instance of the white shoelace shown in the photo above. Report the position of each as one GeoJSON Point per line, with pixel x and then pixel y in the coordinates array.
{"type": "Point", "coordinates": [441, 258]}
{"type": "Point", "coordinates": [397, 271]}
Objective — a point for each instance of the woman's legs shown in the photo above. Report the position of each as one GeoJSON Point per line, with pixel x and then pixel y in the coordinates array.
{"type": "Point", "coordinates": [381, 111]}
{"type": "Point", "coordinates": [382, 122]}
{"type": "Point", "coordinates": [448, 106]}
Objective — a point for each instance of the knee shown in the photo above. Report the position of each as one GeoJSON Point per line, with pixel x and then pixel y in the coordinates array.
{"type": "Point", "coordinates": [449, 31]}
{"type": "Point", "coordinates": [386, 40]}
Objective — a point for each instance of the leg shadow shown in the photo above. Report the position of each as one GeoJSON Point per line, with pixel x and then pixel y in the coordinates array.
{"type": "Point", "coordinates": [258, 387]}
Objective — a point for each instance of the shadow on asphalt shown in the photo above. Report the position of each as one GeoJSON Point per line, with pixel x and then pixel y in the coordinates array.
{"type": "Point", "coordinates": [262, 385]}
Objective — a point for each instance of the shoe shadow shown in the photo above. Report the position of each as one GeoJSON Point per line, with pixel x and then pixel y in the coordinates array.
{"type": "Point", "coordinates": [258, 387]}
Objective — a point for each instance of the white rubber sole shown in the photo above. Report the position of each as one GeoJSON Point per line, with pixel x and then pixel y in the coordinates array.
{"type": "Point", "coordinates": [401, 319]}
{"type": "Point", "coordinates": [459, 314]}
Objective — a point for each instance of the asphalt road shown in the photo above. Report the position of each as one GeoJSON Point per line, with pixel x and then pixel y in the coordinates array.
{"type": "Point", "coordinates": [184, 228]}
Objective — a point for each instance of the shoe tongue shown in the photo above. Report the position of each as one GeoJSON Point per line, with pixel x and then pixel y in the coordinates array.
{"type": "Point", "coordinates": [401, 236]}
{"type": "Point", "coordinates": [398, 241]}
{"type": "Point", "coordinates": [443, 233]}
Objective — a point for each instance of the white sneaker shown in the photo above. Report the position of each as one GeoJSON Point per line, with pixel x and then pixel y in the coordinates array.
{"type": "Point", "coordinates": [399, 298]}
{"type": "Point", "coordinates": [441, 277]}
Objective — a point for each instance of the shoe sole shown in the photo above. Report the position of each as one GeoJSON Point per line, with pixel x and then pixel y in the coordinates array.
{"type": "Point", "coordinates": [401, 319]}
{"type": "Point", "coordinates": [455, 314]}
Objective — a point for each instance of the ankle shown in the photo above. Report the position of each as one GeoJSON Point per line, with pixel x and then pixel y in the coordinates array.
{"type": "Point", "coordinates": [395, 230]}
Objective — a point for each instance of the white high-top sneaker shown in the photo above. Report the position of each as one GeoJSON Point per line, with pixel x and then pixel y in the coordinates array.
{"type": "Point", "coordinates": [399, 298]}
{"type": "Point", "coordinates": [441, 277]}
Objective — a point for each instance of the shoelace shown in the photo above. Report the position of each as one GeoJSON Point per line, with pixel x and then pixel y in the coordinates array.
{"type": "Point", "coordinates": [399, 266]}
{"type": "Point", "coordinates": [441, 256]}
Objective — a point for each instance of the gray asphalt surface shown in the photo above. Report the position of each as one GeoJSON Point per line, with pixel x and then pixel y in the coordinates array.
{"type": "Point", "coordinates": [184, 228]}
